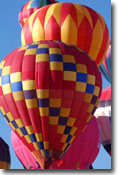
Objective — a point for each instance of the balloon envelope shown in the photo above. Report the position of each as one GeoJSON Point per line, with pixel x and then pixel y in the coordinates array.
{"type": "Point", "coordinates": [5, 159]}
{"type": "Point", "coordinates": [49, 92]}
{"type": "Point", "coordinates": [30, 7]}
{"type": "Point", "coordinates": [103, 114]}
{"type": "Point", "coordinates": [105, 67]}
{"type": "Point", "coordinates": [72, 24]}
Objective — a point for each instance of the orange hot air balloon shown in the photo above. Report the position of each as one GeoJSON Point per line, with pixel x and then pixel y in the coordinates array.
{"type": "Point", "coordinates": [70, 23]}
{"type": "Point", "coordinates": [48, 93]}
{"type": "Point", "coordinates": [30, 7]}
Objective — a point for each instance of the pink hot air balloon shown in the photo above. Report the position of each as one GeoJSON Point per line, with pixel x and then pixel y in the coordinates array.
{"type": "Point", "coordinates": [83, 152]}
{"type": "Point", "coordinates": [23, 154]}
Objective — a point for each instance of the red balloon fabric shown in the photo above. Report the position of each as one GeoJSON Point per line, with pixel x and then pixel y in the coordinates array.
{"type": "Point", "coordinates": [72, 24]}
{"type": "Point", "coordinates": [49, 92]}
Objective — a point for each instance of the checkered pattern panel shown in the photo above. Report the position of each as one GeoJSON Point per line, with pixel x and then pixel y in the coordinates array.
{"type": "Point", "coordinates": [50, 96]}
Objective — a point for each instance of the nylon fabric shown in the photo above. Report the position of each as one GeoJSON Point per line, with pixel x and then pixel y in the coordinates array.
{"type": "Point", "coordinates": [72, 24]}
{"type": "Point", "coordinates": [49, 98]}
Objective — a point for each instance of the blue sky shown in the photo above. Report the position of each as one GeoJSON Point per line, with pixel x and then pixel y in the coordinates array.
{"type": "Point", "coordinates": [10, 34]}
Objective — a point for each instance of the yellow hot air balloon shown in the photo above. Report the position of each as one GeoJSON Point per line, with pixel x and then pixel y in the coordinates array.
{"type": "Point", "coordinates": [70, 23]}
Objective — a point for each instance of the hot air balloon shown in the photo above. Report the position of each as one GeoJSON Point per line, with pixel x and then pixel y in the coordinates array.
{"type": "Point", "coordinates": [30, 7]}
{"type": "Point", "coordinates": [4, 155]}
{"type": "Point", "coordinates": [105, 67]}
{"type": "Point", "coordinates": [80, 156]}
{"type": "Point", "coordinates": [103, 114]}
{"type": "Point", "coordinates": [23, 154]}
{"type": "Point", "coordinates": [49, 92]}
{"type": "Point", "coordinates": [70, 23]}
{"type": "Point", "coordinates": [83, 151]}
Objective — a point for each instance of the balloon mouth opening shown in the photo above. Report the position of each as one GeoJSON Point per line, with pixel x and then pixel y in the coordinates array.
{"type": "Point", "coordinates": [46, 164]}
